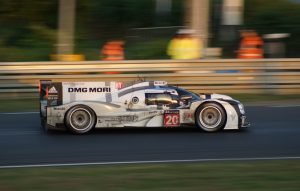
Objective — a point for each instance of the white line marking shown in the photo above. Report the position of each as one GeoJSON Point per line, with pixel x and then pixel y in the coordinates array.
{"type": "Point", "coordinates": [19, 113]}
{"type": "Point", "coordinates": [149, 162]}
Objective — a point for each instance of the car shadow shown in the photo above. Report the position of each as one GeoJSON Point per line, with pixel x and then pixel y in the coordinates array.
{"type": "Point", "coordinates": [146, 130]}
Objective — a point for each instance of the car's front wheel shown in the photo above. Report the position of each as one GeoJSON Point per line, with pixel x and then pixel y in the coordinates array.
{"type": "Point", "coordinates": [210, 117]}
{"type": "Point", "coordinates": [80, 119]}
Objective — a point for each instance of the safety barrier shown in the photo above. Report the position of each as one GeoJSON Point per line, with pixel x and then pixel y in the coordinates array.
{"type": "Point", "coordinates": [279, 76]}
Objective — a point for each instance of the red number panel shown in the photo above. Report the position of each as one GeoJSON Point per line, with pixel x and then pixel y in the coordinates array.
{"type": "Point", "coordinates": [171, 118]}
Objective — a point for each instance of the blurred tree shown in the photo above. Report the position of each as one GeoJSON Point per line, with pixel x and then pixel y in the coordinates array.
{"type": "Point", "coordinates": [268, 16]}
{"type": "Point", "coordinates": [112, 18]}
{"type": "Point", "coordinates": [27, 25]}
{"type": "Point", "coordinates": [275, 16]}
{"type": "Point", "coordinates": [103, 20]}
{"type": "Point", "coordinates": [28, 28]}
{"type": "Point", "coordinates": [29, 16]}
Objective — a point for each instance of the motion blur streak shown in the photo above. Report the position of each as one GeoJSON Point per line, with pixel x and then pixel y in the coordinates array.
{"type": "Point", "coordinates": [18, 113]}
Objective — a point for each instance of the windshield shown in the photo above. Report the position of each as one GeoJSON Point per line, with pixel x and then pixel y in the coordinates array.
{"type": "Point", "coordinates": [182, 92]}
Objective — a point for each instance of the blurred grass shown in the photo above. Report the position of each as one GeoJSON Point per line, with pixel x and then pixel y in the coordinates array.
{"type": "Point", "coordinates": [32, 104]}
{"type": "Point", "coordinates": [226, 176]}
{"type": "Point", "coordinates": [252, 98]}
{"type": "Point", "coordinates": [14, 105]}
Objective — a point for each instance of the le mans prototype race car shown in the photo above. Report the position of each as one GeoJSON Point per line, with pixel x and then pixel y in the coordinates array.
{"type": "Point", "coordinates": [82, 106]}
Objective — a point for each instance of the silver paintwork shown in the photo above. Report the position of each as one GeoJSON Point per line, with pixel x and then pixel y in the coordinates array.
{"type": "Point", "coordinates": [120, 110]}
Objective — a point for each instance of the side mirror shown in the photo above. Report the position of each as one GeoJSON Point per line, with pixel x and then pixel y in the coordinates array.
{"type": "Point", "coordinates": [185, 100]}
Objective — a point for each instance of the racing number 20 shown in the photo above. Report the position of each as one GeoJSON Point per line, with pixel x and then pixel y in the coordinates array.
{"type": "Point", "coordinates": [171, 120]}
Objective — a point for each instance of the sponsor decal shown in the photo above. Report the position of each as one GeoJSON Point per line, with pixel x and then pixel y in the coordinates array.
{"type": "Point", "coordinates": [160, 83]}
{"type": "Point", "coordinates": [171, 118]}
{"type": "Point", "coordinates": [89, 90]}
{"type": "Point", "coordinates": [187, 116]}
{"type": "Point", "coordinates": [153, 112]}
{"type": "Point", "coordinates": [52, 90]}
{"type": "Point", "coordinates": [55, 94]}
{"type": "Point", "coordinates": [52, 102]}
{"type": "Point", "coordinates": [119, 85]}
{"type": "Point", "coordinates": [118, 119]}
{"type": "Point", "coordinates": [172, 112]}
{"type": "Point", "coordinates": [52, 97]}
{"type": "Point", "coordinates": [59, 108]}
{"type": "Point", "coordinates": [135, 100]}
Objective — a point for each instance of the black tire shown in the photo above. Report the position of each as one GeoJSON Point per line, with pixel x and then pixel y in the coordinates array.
{"type": "Point", "coordinates": [210, 117]}
{"type": "Point", "coordinates": [43, 123]}
{"type": "Point", "coordinates": [80, 119]}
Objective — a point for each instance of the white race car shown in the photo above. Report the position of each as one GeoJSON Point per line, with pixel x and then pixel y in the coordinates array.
{"type": "Point", "coordinates": [82, 106]}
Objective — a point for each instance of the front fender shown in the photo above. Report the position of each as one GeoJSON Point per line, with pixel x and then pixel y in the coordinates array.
{"type": "Point", "coordinates": [232, 116]}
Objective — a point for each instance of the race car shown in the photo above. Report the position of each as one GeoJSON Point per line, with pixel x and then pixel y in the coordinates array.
{"type": "Point", "coordinates": [82, 106]}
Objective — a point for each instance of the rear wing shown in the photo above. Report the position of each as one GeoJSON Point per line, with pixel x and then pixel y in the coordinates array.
{"type": "Point", "coordinates": [43, 86]}
{"type": "Point", "coordinates": [50, 92]}
{"type": "Point", "coordinates": [58, 93]}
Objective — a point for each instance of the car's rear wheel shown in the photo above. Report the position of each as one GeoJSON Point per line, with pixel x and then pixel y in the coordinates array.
{"type": "Point", "coordinates": [80, 119]}
{"type": "Point", "coordinates": [210, 117]}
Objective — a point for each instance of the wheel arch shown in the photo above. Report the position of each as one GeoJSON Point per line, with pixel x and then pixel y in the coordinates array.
{"type": "Point", "coordinates": [214, 102]}
{"type": "Point", "coordinates": [78, 105]}
{"type": "Point", "coordinates": [82, 105]}
{"type": "Point", "coordinates": [210, 101]}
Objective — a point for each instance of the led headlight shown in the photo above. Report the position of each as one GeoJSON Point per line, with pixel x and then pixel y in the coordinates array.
{"type": "Point", "coordinates": [241, 107]}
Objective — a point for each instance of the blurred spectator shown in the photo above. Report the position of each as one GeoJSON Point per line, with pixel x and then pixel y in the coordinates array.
{"type": "Point", "coordinates": [251, 45]}
{"type": "Point", "coordinates": [113, 50]}
{"type": "Point", "coordinates": [185, 46]}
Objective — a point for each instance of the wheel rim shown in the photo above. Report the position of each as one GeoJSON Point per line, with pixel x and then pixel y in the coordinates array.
{"type": "Point", "coordinates": [80, 119]}
{"type": "Point", "coordinates": [210, 117]}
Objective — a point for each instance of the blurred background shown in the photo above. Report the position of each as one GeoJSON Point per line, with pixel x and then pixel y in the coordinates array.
{"type": "Point", "coordinates": [68, 40]}
{"type": "Point", "coordinates": [30, 29]}
{"type": "Point", "coordinates": [128, 40]}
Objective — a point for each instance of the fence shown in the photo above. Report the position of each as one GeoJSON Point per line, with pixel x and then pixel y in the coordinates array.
{"type": "Point", "coordinates": [279, 76]}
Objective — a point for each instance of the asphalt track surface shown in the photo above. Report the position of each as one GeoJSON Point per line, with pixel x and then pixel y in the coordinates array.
{"type": "Point", "coordinates": [275, 133]}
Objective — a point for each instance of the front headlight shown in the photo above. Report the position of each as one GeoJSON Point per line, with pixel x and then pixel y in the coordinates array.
{"type": "Point", "coordinates": [241, 107]}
